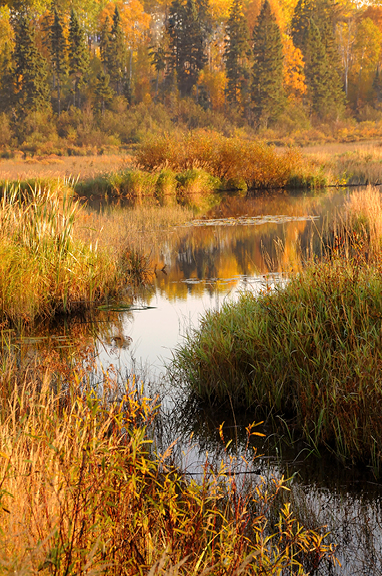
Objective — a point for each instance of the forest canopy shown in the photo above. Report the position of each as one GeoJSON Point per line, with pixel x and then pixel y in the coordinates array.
{"type": "Point", "coordinates": [251, 61]}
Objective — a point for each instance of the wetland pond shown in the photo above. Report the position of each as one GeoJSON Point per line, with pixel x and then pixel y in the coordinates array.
{"type": "Point", "coordinates": [241, 243]}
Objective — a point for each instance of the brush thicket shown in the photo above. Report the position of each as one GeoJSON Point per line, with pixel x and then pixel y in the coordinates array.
{"type": "Point", "coordinates": [83, 491]}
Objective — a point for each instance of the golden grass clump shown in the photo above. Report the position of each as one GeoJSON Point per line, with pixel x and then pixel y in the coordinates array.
{"type": "Point", "coordinates": [363, 210]}
{"type": "Point", "coordinates": [83, 491]}
{"type": "Point", "coordinates": [44, 270]}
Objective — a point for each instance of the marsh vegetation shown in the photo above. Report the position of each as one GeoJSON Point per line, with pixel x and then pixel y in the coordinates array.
{"type": "Point", "coordinates": [72, 432]}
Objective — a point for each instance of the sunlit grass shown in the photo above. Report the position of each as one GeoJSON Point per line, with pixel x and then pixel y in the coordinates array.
{"type": "Point", "coordinates": [46, 268]}
{"type": "Point", "coordinates": [309, 350]}
{"type": "Point", "coordinates": [83, 491]}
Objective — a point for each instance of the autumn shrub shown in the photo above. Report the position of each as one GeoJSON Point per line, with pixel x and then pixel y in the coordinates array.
{"type": "Point", "coordinates": [195, 181]}
{"type": "Point", "coordinates": [84, 491]}
{"type": "Point", "coordinates": [230, 159]}
{"type": "Point", "coordinates": [166, 183]}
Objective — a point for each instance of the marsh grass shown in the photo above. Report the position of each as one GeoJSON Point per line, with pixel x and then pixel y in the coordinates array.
{"type": "Point", "coordinates": [309, 350]}
{"type": "Point", "coordinates": [82, 490]}
{"type": "Point", "coordinates": [45, 269]}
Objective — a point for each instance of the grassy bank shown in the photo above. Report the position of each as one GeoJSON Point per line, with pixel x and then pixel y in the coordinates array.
{"type": "Point", "coordinates": [83, 491]}
{"type": "Point", "coordinates": [309, 351]}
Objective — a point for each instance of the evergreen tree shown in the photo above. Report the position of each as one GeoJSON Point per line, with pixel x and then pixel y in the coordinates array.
{"type": "Point", "coordinates": [116, 56]}
{"type": "Point", "coordinates": [316, 71]}
{"type": "Point", "coordinates": [268, 98]}
{"type": "Point", "coordinates": [377, 87]}
{"type": "Point", "coordinates": [158, 57]}
{"type": "Point", "coordinates": [103, 91]}
{"type": "Point", "coordinates": [7, 79]}
{"type": "Point", "coordinates": [30, 70]}
{"type": "Point", "coordinates": [187, 28]}
{"type": "Point", "coordinates": [58, 51]}
{"type": "Point", "coordinates": [78, 57]}
{"type": "Point", "coordinates": [324, 86]}
{"type": "Point", "coordinates": [104, 45]}
{"type": "Point", "coordinates": [303, 12]}
{"type": "Point", "coordinates": [237, 55]}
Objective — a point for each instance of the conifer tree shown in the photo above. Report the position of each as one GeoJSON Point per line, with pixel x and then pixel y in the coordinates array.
{"type": "Point", "coordinates": [268, 98]}
{"type": "Point", "coordinates": [158, 57]}
{"type": "Point", "coordinates": [78, 57]}
{"type": "Point", "coordinates": [377, 87]}
{"type": "Point", "coordinates": [300, 23]}
{"type": "Point", "coordinates": [324, 86]}
{"type": "Point", "coordinates": [187, 28]}
{"type": "Point", "coordinates": [104, 45]}
{"type": "Point", "coordinates": [316, 71]}
{"type": "Point", "coordinates": [116, 56]}
{"type": "Point", "coordinates": [103, 91]}
{"type": "Point", "coordinates": [7, 79]}
{"type": "Point", "coordinates": [30, 70]}
{"type": "Point", "coordinates": [58, 51]}
{"type": "Point", "coordinates": [237, 55]}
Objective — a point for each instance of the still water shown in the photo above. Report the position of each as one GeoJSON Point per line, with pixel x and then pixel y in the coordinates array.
{"type": "Point", "coordinates": [242, 243]}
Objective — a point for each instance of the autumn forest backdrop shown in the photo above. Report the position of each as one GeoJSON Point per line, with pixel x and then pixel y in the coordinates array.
{"type": "Point", "coordinates": [96, 75]}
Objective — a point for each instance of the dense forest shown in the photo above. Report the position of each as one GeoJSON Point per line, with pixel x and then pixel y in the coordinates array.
{"type": "Point", "coordinates": [97, 72]}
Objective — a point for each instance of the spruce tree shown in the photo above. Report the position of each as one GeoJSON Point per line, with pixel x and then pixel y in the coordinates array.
{"type": "Point", "coordinates": [104, 45]}
{"type": "Point", "coordinates": [30, 70]}
{"type": "Point", "coordinates": [187, 28]}
{"type": "Point", "coordinates": [58, 51]}
{"type": "Point", "coordinates": [303, 12]}
{"type": "Point", "coordinates": [324, 86]}
{"type": "Point", "coordinates": [377, 87]}
{"type": "Point", "coordinates": [318, 46]}
{"type": "Point", "coordinates": [268, 98]}
{"type": "Point", "coordinates": [158, 57]}
{"type": "Point", "coordinates": [78, 57]}
{"type": "Point", "coordinates": [116, 59]}
{"type": "Point", "coordinates": [103, 91]}
{"type": "Point", "coordinates": [316, 71]}
{"type": "Point", "coordinates": [237, 55]}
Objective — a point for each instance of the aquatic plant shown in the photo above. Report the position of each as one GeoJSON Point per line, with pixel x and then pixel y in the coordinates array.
{"type": "Point", "coordinates": [308, 351]}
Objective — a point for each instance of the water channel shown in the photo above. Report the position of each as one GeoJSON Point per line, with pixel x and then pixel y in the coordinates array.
{"type": "Point", "coordinates": [242, 243]}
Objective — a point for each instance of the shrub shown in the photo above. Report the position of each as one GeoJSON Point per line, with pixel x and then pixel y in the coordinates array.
{"type": "Point", "coordinates": [83, 491]}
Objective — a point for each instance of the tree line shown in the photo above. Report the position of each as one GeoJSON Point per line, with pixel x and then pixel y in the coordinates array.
{"type": "Point", "coordinates": [252, 58]}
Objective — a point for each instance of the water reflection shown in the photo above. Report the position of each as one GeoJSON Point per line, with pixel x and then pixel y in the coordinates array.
{"type": "Point", "coordinates": [197, 269]}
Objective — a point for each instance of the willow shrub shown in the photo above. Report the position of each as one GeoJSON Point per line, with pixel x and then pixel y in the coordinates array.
{"type": "Point", "coordinates": [310, 351]}
{"type": "Point", "coordinates": [229, 159]}
{"type": "Point", "coordinates": [83, 491]}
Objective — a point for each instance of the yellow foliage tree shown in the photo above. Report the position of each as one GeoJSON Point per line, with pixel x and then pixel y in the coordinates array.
{"type": "Point", "coordinates": [215, 82]}
{"type": "Point", "coordinates": [366, 55]}
{"type": "Point", "coordinates": [135, 21]}
{"type": "Point", "coordinates": [293, 70]}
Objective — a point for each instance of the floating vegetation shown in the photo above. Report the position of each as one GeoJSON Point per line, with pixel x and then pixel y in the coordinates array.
{"type": "Point", "coordinates": [250, 220]}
